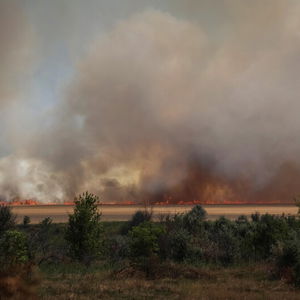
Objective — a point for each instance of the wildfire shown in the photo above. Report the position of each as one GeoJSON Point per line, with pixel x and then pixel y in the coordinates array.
{"type": "Point", "coordinates": [18, 202]}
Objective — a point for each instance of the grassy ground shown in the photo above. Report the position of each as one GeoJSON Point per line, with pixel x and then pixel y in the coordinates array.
{"type": "Point", "coordinates": [233, 283]}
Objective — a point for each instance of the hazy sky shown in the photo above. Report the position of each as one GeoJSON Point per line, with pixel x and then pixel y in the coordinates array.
{"type": "Point", "coordinates": [126, 95]}
{"type": "Point", "coordinates": [65, 29]}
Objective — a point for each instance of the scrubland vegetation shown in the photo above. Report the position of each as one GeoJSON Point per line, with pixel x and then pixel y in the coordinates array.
{"type": "Point", "coordinates": [181, 257]}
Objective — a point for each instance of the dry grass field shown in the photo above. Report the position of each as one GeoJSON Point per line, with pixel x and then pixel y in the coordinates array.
{"type": "Point", "coordinates": [251, 282]}
{"type": "Point", "coordinates": [60, 213]}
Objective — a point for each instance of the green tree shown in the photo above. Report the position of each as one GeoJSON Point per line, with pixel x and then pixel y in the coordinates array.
{"type": "Point", "coordinates": [193, 220]}
{"type": "Point", "coordinates": [144, 239]}
{"type": "Point", "coordinates": [7, 218]}
{"type": "Point", "coordinates": [84, 229]}
{"type": "Point", "coordinates": [13, 249]}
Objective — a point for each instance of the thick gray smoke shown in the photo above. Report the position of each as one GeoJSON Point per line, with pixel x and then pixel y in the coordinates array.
{"type": "Point", "coordinates": [163, 105]}
{"type": "Point", "coordinates": [15, 41]}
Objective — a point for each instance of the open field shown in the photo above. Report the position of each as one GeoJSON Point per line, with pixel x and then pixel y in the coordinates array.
{"type": "Point", "coordinates": [59, 213]}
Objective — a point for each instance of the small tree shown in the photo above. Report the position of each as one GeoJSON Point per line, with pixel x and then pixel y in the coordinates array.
{"type": "Point", "coordinates": [144, 239]}
{"type": "Point", "coordinates": [17, 276]}
{"type": "Point", "coordinates": [13, 249]}
{"type": "Point", "coordinates": [193, 220]}
{"type": "Point", "coordinates": [84, 229]}
{"type": "Point", "coordinates": [7, 218]}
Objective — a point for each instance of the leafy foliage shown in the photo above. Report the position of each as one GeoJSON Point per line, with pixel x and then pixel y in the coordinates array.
{"type": "Point", "coordinates": [84, 229]}
{"type": "Point", "coordinates": [266, 233]}
{"type": "Point", "coordinates": [14, 250]}
{"type": "Point", "coordinates": [145, 245]}
{"type": "Point", "coordinates": [7, 218]}
{"type": "Point", "coordinates": [193, 220]}
{"type": "Point", "coordinates": [138, 217]}
{"type": "Point", "coordinates": [144, 239]}
{"type": "Point", "coordinates": [178, 244]}
{"type": "Point", "coordinates": [223, 234]}
{"type": "Point", "coordinates": [287, 259]}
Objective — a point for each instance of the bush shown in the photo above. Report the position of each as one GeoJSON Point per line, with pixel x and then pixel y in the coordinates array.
{"type": "Point", "coordinates": [225, 242]}
{"type": "Point", "coordinates": [139, 217]}
{"type": "Point", "coordinates": [26, 221]}
{"type": "Point", "coordinates": [18, 279]}
{"type": "Point", "coordinates": [13, 249]}
{"type": "Point", "coordinates": [144, 239]}
{"type": "Point", "coordinates": [7, 218]}
{"type": "Point", "coordinates": [178, 244]}
{"type": "Point", "coordinates": [287, 260]}
{"type": "Point", "coordinates": [267, 231]}
{"type": "Point", "coordinates": [84, 229]}
{"type": "Point", "coordinates": [193, 220]}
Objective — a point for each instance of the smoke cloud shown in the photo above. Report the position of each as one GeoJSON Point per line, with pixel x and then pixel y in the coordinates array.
{"type": "Point", "coordinates": [15, 41]}
{"type": "Point", "coordinates": [162, 108]}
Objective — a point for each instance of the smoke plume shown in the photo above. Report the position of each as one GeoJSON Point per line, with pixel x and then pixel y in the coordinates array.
{"type": "Point", "coordinates": [15, 38]}
{"type": "Point", "coordinates": [162, 108]}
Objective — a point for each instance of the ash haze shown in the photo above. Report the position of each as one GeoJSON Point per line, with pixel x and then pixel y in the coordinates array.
{"type": "Point", "coordinates": [159, 100]}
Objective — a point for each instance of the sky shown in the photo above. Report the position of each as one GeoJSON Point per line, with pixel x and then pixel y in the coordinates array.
{"type": "Point", "coordinates": [190, 100]}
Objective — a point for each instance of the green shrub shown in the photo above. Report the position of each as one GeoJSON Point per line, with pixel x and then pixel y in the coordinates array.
{"type": "Point", "coordinates": [193, 220]}
{"type": "Point", "coordinates": [138, 217]}
{"type": "Point", "coordinates": [173, 222]}
{"type": "Point", "coordinates": [290, 254]}
{"type": "Point", "coordinates": [13, 249]}
{"type": "Point", "coordinates": [144, 239]}
{"type": "Point", "coordinates": [7, 218]}
{"type": "Point", "coordinates": [178, 244]}
{"type": "Point", "coordinates": [267, 232]}
{"type": "Point", "coordinates": [225, 242]}
{"type": "Point", "coordinates": [245, 233]}
{"type": "Point", "coordinates": [84, 229]}
{"type": "Point", "coordinates": [287, 260]}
